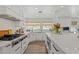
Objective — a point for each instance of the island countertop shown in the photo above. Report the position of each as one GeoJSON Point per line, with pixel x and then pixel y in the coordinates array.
{"type": "Point", "coordinates": [68, 42]}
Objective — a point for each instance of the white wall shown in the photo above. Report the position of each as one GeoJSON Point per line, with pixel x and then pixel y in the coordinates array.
{"type": "Point", "coordinates": [66, 21]}
{"type": "Point", "coordinates": [63, 21]}
{"type": "Point", "coordinates": [2, 9]}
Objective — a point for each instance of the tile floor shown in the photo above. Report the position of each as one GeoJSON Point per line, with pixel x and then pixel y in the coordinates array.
{"type": "Point", "coordinates": [36, 47]}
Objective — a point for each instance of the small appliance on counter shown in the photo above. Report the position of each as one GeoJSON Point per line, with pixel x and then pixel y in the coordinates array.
{"type": "Point", "coordinates": [65, 28]}
{"type": "Point", "coordinates": [19, 31]}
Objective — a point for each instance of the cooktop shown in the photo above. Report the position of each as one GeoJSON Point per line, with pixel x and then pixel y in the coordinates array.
{"type": "Point", "coordinates": [10, 37]}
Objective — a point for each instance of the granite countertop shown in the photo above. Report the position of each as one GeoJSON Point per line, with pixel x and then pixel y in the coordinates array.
{"type": "Point", "coordinates": [5, 43]}
{"type": "Point", "coordinates": [68, 42]}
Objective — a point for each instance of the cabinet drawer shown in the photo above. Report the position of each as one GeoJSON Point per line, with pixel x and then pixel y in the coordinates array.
{"type": "Point", "coordinates": [1, 50]}
{"type": "Point", "coordinates": [5, 49]}
{"type": "Point", "coordinates": [16, 48]}
{"type": "Point", "coordinates": [57, 50]}
{"type": "Point", "coordinates": [24, 47]}
{"type": "Point", "coordinates": [24, 44]}
{"type": "Point", "coordinates": [24, 41]}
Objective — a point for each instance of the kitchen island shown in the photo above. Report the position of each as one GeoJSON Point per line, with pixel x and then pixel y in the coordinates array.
{"type": "Point", "coordinates": [20, 44]}
{"type": "Point", "coordinates": [67, 42]}
{"type": "Point", "coordinates": [13, 46]}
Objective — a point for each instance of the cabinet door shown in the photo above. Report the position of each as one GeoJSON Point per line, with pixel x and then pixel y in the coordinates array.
{"type": "Point", "coordinates": [16, 49]}
{"type": "Point", "coordinates": [49, 51]}
{"type": "Point", "coordinates": [39, 36]}
{"type": "Point", "coordinates": [1, 50]}
{"type": "Point", "coordinates": [24, 44]}
{"type": "Point", "coordinates": [32, 37]}
{"type": "Point", "coordinates": [44, 37]}
{"type": "Point", "coordinates": [56, 49]}
{"type": "Point", "coordinates": [6, 49]}
{"type": "Point", "coordinates": [48, 44]}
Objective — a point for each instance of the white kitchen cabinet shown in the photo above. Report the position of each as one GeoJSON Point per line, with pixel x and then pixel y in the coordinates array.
{"type": "Point", "coordinates": [16, 49]}
{"type": "Point", "coordinates": [5, 49]}
{"type": "Point", "coordinates": [24, 44]}
{"type": "Point", "coordinates": [52, 47]}
{"type": "Point", "coordinates": [21, 46]}
{"type": "Point", "coordinates": [48, 45]}
{"type": "Point", "coordinates": [1, 49]}
{"type": "Point", "coordinates": [40, 36]}
{"type": "Point", "coordinates": [56, 49]}
{"type": "Point", "coordinates": [37, 36]}
{"type": "Point", "coordinates": [44, 37]}
{"type": "Point", "coordinates": [32, 36]}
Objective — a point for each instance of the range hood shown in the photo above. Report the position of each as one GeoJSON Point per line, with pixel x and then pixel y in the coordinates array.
{"type": "Point", "coordinates": [9, 17]}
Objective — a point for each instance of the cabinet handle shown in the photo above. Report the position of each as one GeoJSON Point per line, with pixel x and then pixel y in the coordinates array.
{"type": "Point", "coordinates": [55, 48]}
{"type": "Point", "coordinates": [53, 53]}
{"type": "Point", "coordinates": [14, 43]}
{"type": "Point", "coordinates": [17, 48]}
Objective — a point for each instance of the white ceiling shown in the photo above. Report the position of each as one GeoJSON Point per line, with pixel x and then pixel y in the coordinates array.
{"type": "Point", "coordinates": [47, 11]}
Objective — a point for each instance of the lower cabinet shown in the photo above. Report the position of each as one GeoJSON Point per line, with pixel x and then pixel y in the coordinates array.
{"type": "Point", "coordinates": [56, 49]}
{"type": "Point", "coordinates": [1, 49]}
{"type": "Point", "coordinates": [16, 49]}
{"type": "Point", "coordinates": [48, 44]}
{"type": "Point", "coordinates": [24, 45]}
{"type": "Point", "coordinates": [5, 49]}
{"type": "Point", "coordinates": [52, 47]}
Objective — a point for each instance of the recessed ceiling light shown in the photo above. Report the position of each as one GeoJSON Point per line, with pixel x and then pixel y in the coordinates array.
{"type": "Point", "coordinates": [36, 8]}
